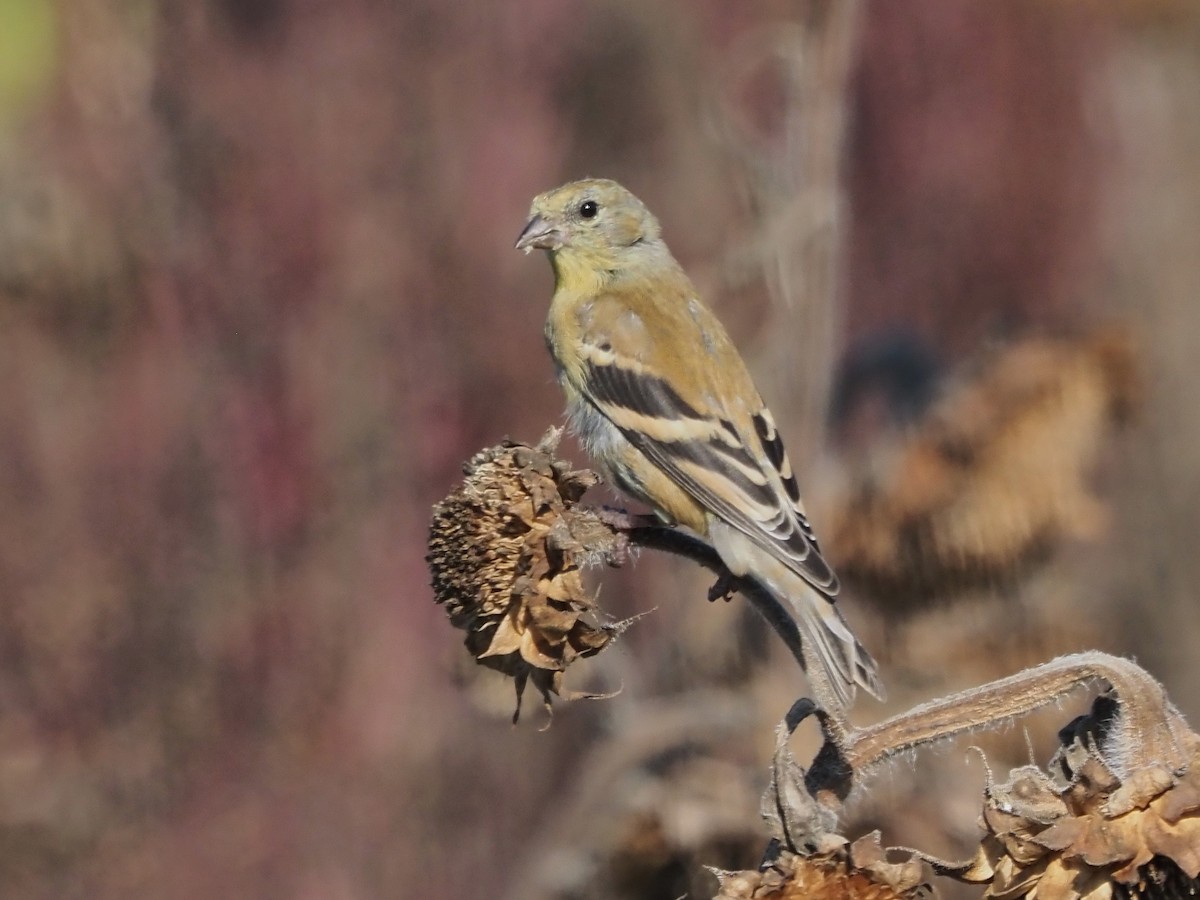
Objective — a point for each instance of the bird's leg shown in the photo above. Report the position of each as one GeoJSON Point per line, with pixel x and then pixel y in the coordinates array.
{"type": "Point", "coordinates": [648, 531]}
{"type": "Point", "coordinates": [723, 588]}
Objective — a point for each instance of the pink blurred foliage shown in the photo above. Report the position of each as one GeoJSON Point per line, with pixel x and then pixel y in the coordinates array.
{"type": "Point", "coordinates": [973, 168]}
{"type": "Point", "coordinates": [226, 433]}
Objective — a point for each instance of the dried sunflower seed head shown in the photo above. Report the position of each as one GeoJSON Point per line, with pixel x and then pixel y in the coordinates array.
{"type": "Point", "coordinates": [1097, 836]}
{"type": "Point", "coordinates": [808, 858]}
{"type": "Point", "coordinates": [857, 874]}
{"type": "Point", "coordinates": [505, 553]}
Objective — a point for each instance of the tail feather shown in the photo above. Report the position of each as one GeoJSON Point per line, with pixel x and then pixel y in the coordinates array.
{"type": "Point", "coordinates": [846, 662]}
{"type": "Point", "coordinates": [835, 662]}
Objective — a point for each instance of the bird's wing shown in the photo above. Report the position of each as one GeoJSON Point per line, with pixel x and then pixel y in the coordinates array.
{"type": "Point", "coordinates": [743, 478]}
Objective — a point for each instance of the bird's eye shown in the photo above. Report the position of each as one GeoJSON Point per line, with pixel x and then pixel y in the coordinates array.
{"type": "Point", "coordinates": [589, 208]}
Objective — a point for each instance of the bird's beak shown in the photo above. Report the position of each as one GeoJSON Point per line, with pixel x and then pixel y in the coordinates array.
{"type": "Point", "coordinates": [539, 234]}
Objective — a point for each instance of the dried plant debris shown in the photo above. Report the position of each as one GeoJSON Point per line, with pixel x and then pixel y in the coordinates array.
{"type": "Point", "coordinates": [993, 478]}
{"type": "Point", "coordinates": [821, 877]}
{"type": "Point", "coordinates": [807, 857]}
{"type": "Point", "coordinates": [1084, 831]}
{"type": "Point", "coordinates": [505, 554]}
{"type": "Point", "coordinates": [1116, 814]}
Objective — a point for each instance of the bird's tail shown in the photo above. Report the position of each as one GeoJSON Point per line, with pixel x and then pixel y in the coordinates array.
{"type": "Point", "coordinates": [843, 662]}
{"type": "Point", "coordinates": [835, 662]}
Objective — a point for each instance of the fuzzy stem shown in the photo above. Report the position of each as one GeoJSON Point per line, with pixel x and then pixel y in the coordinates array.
{"type": "Point", "coordinates": [1149, 728]}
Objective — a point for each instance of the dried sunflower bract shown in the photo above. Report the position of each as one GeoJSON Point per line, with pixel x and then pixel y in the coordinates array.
{"type": "Point", "coordinates": [807, 858]}
{"type": "Point", "coordinates": [505, 553]}
{"type": "Point", "coordinates": [830, 876]}
{"type": "Point", "coordinates": [1100, 837]}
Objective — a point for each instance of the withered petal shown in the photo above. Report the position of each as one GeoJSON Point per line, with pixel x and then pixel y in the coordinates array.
{"type": "Point", "coordinates": [1105, 842]}
{"type": "Point", "coordinates": [1179, 842]}
{"type": "Point", "coordinates": [507, 639]}
{"type": "Point", "coordinates": [1183, 798]}
{"type": "Point", "coordinates": [1061, 834]}
{"type": "Point", "coordinates": [1136, 792]}
{"type": "Point", "coordinates": [1013, 881]}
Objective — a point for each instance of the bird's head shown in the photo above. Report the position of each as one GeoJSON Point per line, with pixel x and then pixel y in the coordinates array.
{"type": "Point", "coordinates": [590, 222]}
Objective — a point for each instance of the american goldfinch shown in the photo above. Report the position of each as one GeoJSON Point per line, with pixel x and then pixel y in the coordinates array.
{"type": "Point", "coordinates": [665, 406]}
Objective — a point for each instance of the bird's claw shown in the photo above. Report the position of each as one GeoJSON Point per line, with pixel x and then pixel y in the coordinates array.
{"type": "Point", "coordinates": [722, 589]}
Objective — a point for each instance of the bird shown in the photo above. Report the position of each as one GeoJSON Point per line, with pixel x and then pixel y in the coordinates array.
{"type": "Point", "coordinates": [665, 406]}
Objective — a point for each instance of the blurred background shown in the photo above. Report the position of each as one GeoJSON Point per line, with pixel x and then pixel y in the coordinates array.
{"type": "Point", "coordinates": [258, 302]}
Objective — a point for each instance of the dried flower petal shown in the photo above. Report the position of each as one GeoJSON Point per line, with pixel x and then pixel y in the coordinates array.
{"type": "Point", "coordinates": [867, 854]}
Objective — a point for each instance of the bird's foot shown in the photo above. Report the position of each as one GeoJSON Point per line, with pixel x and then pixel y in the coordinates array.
{"type": "Point", "coordinates": [723, 589]}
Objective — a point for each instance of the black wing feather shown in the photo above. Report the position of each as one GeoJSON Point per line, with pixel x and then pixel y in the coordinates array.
{"type": "Point", "coordinates": [789, 537]}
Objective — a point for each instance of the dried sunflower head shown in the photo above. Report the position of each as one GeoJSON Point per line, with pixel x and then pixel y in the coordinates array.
{"type": "Point", "coordinates": [505, 553]}
{"type": "Point", "coordinates": [1089, 833]}
{"type": "Point", "coordinates": [825, 876]}
{"type": "Point", "coordinates": [807, 857]}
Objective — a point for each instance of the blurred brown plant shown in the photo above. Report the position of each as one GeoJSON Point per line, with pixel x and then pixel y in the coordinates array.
{"type": "Point", "coordinates": [994, 476]}
{"type": "Point", "coordinates": [650, 807]}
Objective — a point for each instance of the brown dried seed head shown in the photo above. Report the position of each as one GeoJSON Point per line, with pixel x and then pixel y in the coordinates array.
{"type": "Point", "coordinates": [505, 559]}
{"type": "Point", "coordinates": [818, 877]}
{"type": "Point", "coordinates": [993, 478]}
{"type": "Point", "coordinates": [1097, 838]}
